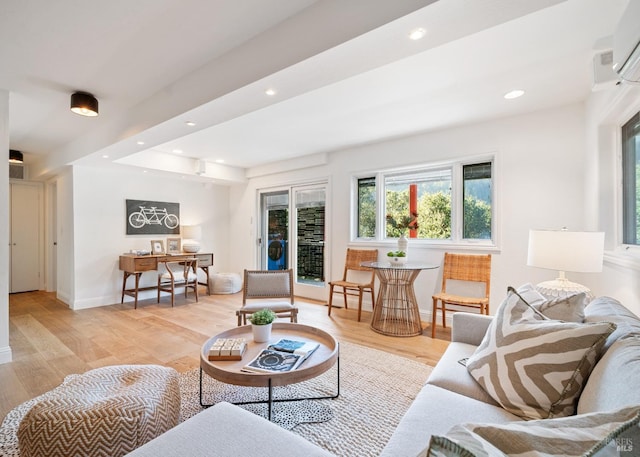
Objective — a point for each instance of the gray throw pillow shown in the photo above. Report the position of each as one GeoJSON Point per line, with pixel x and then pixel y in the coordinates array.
{"type": "Point", "coordinates": [532, 366]}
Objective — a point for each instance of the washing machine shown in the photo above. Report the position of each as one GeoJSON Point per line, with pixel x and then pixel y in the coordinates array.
{"type": "Point", "coordinates": [277, 255]}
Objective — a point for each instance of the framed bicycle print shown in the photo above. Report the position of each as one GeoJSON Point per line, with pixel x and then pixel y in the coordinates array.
{"type": "Point", "coordinates": [157, 247]}
{"type": "Point", "coordinates": [173, 246]}
{"type": "Point", "coordinates": [145, 217]}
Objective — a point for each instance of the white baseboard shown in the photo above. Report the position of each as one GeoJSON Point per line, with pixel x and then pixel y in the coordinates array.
{"type": "Point", "coordinates": [96, 302]}
{"type": "Point", "coordinates": [5, 355]}
{"type": "Point", "coordinates": [63, 297]}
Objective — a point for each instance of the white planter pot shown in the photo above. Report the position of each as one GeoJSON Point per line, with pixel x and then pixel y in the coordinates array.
{"type": "Point", "coordinates": [397, 260]}
{"type": "Point", "coordinates": [261, 333]}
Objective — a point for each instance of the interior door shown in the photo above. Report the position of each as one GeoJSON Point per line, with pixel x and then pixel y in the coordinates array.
{"type": "Point", "coordinates": [24, 237]}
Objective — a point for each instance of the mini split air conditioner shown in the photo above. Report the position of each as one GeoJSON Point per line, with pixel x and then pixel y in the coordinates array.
{"type": "Point", "coordinates": [626, 44]}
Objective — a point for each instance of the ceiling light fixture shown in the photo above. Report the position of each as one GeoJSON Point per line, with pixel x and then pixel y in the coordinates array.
{"type": "Point", "coordinates": [417, 34]}
{"type": "Point", "coordinates": [105, 156]}
{"type": "Point", "coordinates": [140, 143]}
{"type": "Point", "coordinates": [514, 94]}
{"type": "Point", "coordinates": [84, 104]}
{"type": "Point", "coordinates": [270, 92]}
{"type": "Point", "coordinates": [190, 123]}
{"type": "Point", "coordinates": [15, 156]}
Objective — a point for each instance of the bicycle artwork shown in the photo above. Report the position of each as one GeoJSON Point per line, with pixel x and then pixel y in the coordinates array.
{"type": "Point", "coordinates": [152, 218]}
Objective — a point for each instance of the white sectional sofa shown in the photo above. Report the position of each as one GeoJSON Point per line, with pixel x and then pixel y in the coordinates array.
{"type": "Point", "coordinates": [451, 396]}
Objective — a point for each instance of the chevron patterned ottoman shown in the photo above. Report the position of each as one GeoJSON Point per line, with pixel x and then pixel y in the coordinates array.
{"type": "Point", "coordinates": [108, 412]}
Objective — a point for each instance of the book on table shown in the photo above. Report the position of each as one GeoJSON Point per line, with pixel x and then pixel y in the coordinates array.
{"type": "Point", "coordinates": [285, 355]}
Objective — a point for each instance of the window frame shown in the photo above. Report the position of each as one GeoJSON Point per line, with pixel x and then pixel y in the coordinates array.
{"type": "Point", "coordinates": [457, 240]}
{"type": "Point", "coordinates": [624, 173]}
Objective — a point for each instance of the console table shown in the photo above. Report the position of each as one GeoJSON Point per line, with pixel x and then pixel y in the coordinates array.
{"type": "Point", "coordinates": [135, 265]}
{"type": "Point", "coordinates": [396, 312]}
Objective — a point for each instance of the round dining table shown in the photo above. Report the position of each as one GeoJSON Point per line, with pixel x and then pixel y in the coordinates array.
{"type": "Point", "coordinates": [396, 311]}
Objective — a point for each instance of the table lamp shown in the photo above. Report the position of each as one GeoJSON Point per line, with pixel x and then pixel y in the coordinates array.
{"type": "Point", "coordinates": [562, 250]}
{"type": "Point", "coordinates": [191, 235]}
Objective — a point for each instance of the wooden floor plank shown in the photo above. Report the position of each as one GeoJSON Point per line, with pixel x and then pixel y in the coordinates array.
{"type": "Point", "coordinates": [49, 341]}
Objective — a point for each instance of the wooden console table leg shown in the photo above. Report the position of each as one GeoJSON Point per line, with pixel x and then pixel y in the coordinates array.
{"type": "Point", "coordinates": [135, 299]}
{"type": "Point", "coordinates": [124, 285]}
{"type": "Point", "coordinates": [206, 284]}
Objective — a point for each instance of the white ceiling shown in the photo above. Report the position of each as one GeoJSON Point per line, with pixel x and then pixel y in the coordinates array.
{"type": "Point", "coordinates": [344, 71]}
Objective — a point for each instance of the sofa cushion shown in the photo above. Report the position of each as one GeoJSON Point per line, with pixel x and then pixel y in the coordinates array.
{"type": "Point", "coordinates": [596, 434]}
{"type": "Point", "coordinates": [607, 309]}
{"type": "Point", "coordinates": [226, 429]}
{"type": "Point", "coordinates": [435, 411]}
{"type": "Point", "coordinates": [452, 375]}
{"type": "Point", "coordinates": [613, 383]}
{"type": "Point", "coordinates": [533, 366]}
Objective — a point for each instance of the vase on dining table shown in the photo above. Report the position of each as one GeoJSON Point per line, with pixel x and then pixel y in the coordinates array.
{"type": "Point", "coordinates": [403, 244]}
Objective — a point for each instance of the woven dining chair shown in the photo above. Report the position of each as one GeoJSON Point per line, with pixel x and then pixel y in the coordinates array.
{"type": "Point", "coordinates": [267, 289]}
{"type": "Point", "coordinates": [349, 285]}
{"type": "Point", "coordinates": [182, 273]}
{"type": "Point", "coordinates": [462, 267]}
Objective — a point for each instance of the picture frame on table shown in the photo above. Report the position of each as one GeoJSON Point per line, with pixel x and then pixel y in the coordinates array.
{"type": "Point", "coordinates": [174, 245]}
{"type": "Point", "coordinates": [157, 247]}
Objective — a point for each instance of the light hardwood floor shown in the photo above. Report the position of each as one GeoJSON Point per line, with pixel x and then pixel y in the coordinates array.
{"type": "Point", "coordinates": [50, 341]}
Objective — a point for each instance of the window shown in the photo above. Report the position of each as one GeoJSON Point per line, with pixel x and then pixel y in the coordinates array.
{"type": "Point", "coordinates": [631, 181]}
{"type": "Point", "coordinates": [453, 202]}
{"type": "Point", "coordinates": [476, 202]}
{"type": "Point", "coordinates": [427, 193]}
{"type": "Point", "coordinates": [366, 208]}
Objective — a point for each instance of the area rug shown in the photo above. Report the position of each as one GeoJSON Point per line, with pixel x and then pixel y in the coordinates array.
{"type": "Point", "coordinates": [376, 388]}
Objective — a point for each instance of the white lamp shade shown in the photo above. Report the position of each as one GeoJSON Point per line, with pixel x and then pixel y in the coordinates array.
{"type": "Point", "coordinates": [562, 250]}
{"type": "Point", "coordinates": [191, 232]}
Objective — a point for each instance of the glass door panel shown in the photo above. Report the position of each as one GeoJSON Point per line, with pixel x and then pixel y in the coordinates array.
{"type": "Point", "coordinates": [310, 231]}
{"type": "Point", "coordinates": [275, 231]}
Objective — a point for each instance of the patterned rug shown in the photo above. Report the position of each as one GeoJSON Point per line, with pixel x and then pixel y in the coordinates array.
{"type": "Point", "coordinates": [376, 388]}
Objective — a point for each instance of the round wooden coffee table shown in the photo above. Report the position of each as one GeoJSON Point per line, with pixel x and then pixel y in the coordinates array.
{"type": "Point", "coordinates": [321, 360]}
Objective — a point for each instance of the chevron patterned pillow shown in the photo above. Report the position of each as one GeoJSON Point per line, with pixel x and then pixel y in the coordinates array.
{"type": "Point", "coordinates": [532, 366]}
{"type": "Point", "coordinates": [594, 434]}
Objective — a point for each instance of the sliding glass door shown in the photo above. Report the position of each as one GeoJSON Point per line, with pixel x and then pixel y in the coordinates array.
{"type": "Point", "coordinates": [293, 235]}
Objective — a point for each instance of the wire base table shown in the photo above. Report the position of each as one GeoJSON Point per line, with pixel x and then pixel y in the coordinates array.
{"type": "Point", "coordinates": [396, 311]}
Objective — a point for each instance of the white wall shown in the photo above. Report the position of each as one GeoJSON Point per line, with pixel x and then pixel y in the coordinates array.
{"type": "Point", "coordinates": [540, 179]}
{"type": "Point", "coordinates": [5, 349]}
{"type": "Point", "coordinates": [99, 227]}
{"type": "Point", "coordinates": [606, 113]}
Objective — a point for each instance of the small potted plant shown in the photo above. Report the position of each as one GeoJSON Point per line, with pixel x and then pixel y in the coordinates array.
{"type": "Point", "coordinates": [261, 325]}
{"type": "Point", "coordinates": [397, 257]}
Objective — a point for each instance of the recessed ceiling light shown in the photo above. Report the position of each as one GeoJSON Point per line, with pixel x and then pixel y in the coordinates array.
{"type": "Point", "coordinates": [177, 151]}
{"type": "Point", "coordinates": [270, 92]}
{"type": "Point", "coordinates": [190, 123]}
{"type": "Point", "coordinates": [220, 161]}
{"type": "Point", "coordinates": [144, 171]}
{"type": "Point", "coordinates": [140, 143]}
{"type": "Point", "coordinates": [105, 156]}
{"type": "Point", "coordinates": [514, 94]}
{"type": "Point", "coordinates": [417, 34]}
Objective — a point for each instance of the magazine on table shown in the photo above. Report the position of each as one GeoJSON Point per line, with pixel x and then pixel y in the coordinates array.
{"type": "Point", "coordinates": [285, 355]}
